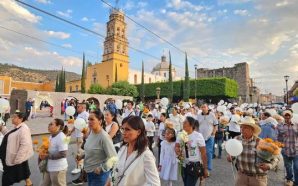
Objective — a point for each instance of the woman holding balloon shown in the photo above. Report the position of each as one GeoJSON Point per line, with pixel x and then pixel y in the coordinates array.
{"type": "Point", "coordinates": [243, 149]}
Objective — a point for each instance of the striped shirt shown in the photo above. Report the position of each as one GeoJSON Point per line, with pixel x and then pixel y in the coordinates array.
{"type": "Point", "coordinates": [288, 135]}
{"type": "Point", "coordinates": [247, 160]}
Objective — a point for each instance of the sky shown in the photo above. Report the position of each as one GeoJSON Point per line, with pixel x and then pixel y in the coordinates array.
{"type": "Point", "coordinates": [214, 33]}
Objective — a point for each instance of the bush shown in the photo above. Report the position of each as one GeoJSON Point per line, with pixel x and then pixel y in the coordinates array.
{"type": "Point", "coordinates": [96, 89]}
{"type": "Point", "coordinates": [206, 88]}
{"type": "Point", "coordinates": [123, 88]}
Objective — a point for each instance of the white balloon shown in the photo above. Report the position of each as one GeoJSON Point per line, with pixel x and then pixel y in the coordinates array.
{"type": "Point", "coordinates": [271, 111]}
{"type": "Point", "coordinates": [234, 147]}
{"type": "Point", "coordinates": [211, 107]}
{"type": "Point", "coordinates": [164, 102]}
{"type": "Point", "coordinates": [4, 105]}
{"type": "Point", "coordinates": [230, 105]}
{"type": "Point", "coordinates": [80, 123]}
{"type": "Point", "coordinates": [235, 118]}
{"type": "Point", "coordinates": [221, 102]}
{"type": "Point", "coordinates": [186, 105]}
{"type": "Point", "coordinates": [221, 108]}
{"type": "Point", "coordinates": [295, 108]}
{"type": "Point", "coordinates": [70, 111]}
{"type": "Point", "coordinates": [118, 104]}
{"type": "Point", "coordinates": [295, 118]}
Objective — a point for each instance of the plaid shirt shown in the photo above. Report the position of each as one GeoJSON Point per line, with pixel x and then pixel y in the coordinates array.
{"type": "Point", "coordinates": [288, 135]}
{"type": "Point", "coordinates": [247, 160]}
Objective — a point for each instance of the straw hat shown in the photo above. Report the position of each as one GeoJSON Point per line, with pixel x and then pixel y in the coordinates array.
{"type": "Point", "coordinates": [287, 112]}
{"type": "Point", "coordinates": [249, 121]}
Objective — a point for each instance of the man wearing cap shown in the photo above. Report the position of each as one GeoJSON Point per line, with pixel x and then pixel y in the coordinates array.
{"type": "Point", "coordinates": [287, 133]}
{"type": "Point", "coordinates": [250, 173]}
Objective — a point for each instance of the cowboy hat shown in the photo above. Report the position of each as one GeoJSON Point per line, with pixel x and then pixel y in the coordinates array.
{"type": "Point", "coordinates": [249, 121]}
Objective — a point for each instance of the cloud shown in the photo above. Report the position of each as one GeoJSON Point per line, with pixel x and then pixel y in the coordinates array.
{"type": "Point", "coordinates": [16, 10]}
{"type": "Point", "coordinates": [44, 1]}
{"type": "Point", "coordinates": [66, 14]}
{"type": "Point", "coordinates": [241, 12]}
{"type": "Point", "coordinates": [183, 4]}
{"type": "Point", "coordinates": [85, 19]}
{"type": "Point", "coordinates": [67, 45]}
{"type": "Point", "coordinates": [233, 1]}
{"type": "Point", "coordinates": [59, 35]}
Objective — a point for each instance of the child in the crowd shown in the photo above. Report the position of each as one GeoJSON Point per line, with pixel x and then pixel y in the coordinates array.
{"type": "Point", "coordinates": [168, 166]}
{"type": "Point", "coordinates": [150, 129]}
{"type": "Point", "coordinates": [161, 131]}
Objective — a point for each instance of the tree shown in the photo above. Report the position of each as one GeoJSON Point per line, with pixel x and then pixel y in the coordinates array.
{"type": "Point", "coordinates": [64, 82]}
{"type": "Point", "coordinates": [96, 89]}
{"type": "Point", "coordinates": [186, 81]}
{"type": "Point", "coordinates": [57, 83]}
{"type": "Point", "coordinates": [83, 77]}
{"type": "Point", "coordinates": [170, 78]}
{"type": "Point", "coordinates": [142, 93]}
{"type": "Point", "coordinates": [123, 88]}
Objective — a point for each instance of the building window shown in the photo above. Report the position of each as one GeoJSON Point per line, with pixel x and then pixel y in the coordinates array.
{"type": "Point", "coordinates": [165, 74]}
{"type": "Point", "coordinates": [70, 89]}
{"type": "Point", "coordinates": [135, 79]}
{"type": "Point", "coordinates": [149, 80]}
{"type": "Point", "coordinates": [121, 65]}
{"type": "Point", "coordinates": [77, 88]}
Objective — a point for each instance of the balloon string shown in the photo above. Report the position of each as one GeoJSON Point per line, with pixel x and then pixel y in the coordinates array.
{"type": "Point", "coordinates": [233, 170]}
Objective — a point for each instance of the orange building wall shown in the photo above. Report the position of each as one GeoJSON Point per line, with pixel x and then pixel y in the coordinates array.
{"type": "Point", "coordinates": [7, 84]}
{"type": "Point", "coordinates": [48, 86]}
{"type": "Point", "coordinates": [73, 85]}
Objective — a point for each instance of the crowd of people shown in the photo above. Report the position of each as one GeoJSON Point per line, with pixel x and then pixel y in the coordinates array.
{"type": "Point", "coordinates": [118, 146]}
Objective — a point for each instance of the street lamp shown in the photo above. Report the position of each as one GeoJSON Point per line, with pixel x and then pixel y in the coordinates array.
{"type": "Point", "coordinates": [158, 92]}
{"type": "Point", "coordinates": [287, 92]}
{"type": "Point", "coordinates": [285, 97]}
{"type": "Point", "coordinates": [196, 67]}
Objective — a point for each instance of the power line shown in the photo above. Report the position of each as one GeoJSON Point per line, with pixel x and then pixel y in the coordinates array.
{"type": "Point", "coordinates": [43, 41]}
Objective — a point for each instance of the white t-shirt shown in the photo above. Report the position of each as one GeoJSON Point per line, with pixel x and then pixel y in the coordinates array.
{"type": "Point", "coordinates": [57, 144]}
{"type": "Point", "coordinates": [128, 113]}
{"type": "Point", "coordinates": [1, 166]}
{"type": "Point", "coordinates": [177, 121]}
{"type": "Point", "coordinates": [196, 140]}
{"type": "Point", "coordinates": [233, 126]}
{"type": "Point", "coordinates": [150, 128]}
{"type": "Point", "coordinates": [161, 132]}
{"type": "Point", "coordinates": [84, 115]}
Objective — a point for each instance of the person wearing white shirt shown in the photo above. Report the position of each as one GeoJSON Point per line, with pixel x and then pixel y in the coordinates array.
{"type": "Point", "coordinates": [150, 129]}
{"type": "Point", "coordinates": [234, 127]}
{"type": "Point", "coordinates": [82, 113]}
{"type": "Point", "coordinates": [176, 119]}
{"type": "Point", "coordinates": [161, 131]}
{"type": "Point", "coordinates": [136, 165]}
{"type": "Point", "coordinates": [57, 162]}
{"type": "Point", "coordinates": [129, 110]}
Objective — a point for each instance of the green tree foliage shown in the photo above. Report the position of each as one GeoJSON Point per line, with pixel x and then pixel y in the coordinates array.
{"type": "Point", "coordinates": [83, 77]}
{"type": "Point", "coordinates": [60, 81]}
{"type": "Point", "coordinates": [206, 88]}
{"type": "Point", "coordinates": [295, 93]}
{"type": "Point", "coordinates": [170, 78]}
{"type": "Point", "coordinates": [57, 84]}
{"type": "Point", "coordinates": [96, 89]}
{"type": "Point", "coordinates": [186, 81]}
{"type": "Point", "coordinates": [123, 88]}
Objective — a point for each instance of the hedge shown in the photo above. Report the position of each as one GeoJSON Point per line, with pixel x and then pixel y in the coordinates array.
{"type": "Point", "coordinates": [206, 88]}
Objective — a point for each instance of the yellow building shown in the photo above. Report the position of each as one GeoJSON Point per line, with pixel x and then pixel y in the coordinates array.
{"type": "Point", "coordinates": [7, 84]}
{"type": "Point", "coordinates": [73, 86]}
{"type": "Point", "coordinates": [115, 60]}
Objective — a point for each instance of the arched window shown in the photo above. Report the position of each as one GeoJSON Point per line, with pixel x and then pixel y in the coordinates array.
{"type": "Point", "coordinates": [150, 80]}
{"type": "Point", "coordinates": [135, 79]}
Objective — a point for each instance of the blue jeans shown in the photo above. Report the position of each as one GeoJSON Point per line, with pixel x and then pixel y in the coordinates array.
{"type": "Point", "coordinates": [97, 179]}
{"type": "Point", "coordinates": [209, 151]}
{"type": "Point", "coordinates": [219, 142]}
{"type": "Point", "coordinates": [291, 163]}
{"type": "Point", "coordinates": [188, 180]}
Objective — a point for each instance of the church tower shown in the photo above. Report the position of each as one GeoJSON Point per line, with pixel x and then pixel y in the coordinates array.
{"type": "Point", "coordinates": [115, 56]}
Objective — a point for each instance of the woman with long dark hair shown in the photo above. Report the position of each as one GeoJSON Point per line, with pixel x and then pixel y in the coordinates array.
{"type": "Point", "coordinates": [99, 150]}
{"type": "Point", "coordinates": [111, 126]}
{"type": "Point", "coordinates": [55, 173]}
{"type": "Point", "coordinates": [15, 150]}
{"type": "Point", "coordinates": [136, 164]}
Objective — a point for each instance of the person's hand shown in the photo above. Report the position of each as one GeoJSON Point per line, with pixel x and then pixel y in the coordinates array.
{"type": "Point", "coordinates": [79, 158]}
{"type": "Point", "coordinates": [43, 156]}
{"type": "Point", "coordinates": [229, 158]}
{"type": "Point", "coordinates": [159, 168]}
{"type": "Point", "coordinates": [205, 173]}
{"type": "Point", "coordinates": [97, 170]}
{"type": "Point", "coordinates": [264, 167]}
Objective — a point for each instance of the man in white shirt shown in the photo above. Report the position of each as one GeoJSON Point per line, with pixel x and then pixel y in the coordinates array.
{"type": "Point", "coordinates": [82, 113]}
{"type": "Point", "coordinates": [176, 119]}
{"type": "Point", "coordinates": [234, 127]}
{"type": "Point", "coordinates": [129, 110]}
{"type": "Point", "coordinates": [208, 127]}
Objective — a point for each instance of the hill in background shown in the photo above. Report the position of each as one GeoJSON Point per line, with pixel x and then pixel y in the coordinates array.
{"type": "Point", "coordinates": [33, 75]}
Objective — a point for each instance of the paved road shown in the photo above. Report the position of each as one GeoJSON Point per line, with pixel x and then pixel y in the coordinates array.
{"type": "Point", "coordinates": [221, 175]}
